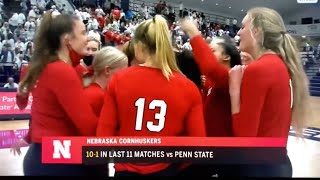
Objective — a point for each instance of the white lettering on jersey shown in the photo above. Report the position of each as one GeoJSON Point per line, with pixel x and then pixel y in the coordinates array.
{"type": "Point", "coordinates": [209, 91]}
{"type": "Point", "coordinates": [291, 93]}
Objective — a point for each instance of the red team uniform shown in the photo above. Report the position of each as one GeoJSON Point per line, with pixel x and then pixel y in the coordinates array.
{"type": "Point", "coordinates": [140, 101]}
{"type": "Point", "coordinates": [217, 104]}
{"type": "Point", "coordinates": [265, 109]}
{"type": "Point", "coordinates": [55, 105]}
{"type": "Point", "coordinates": [95, 95]}
{"type": "Point", "coordinates": [22, 102]}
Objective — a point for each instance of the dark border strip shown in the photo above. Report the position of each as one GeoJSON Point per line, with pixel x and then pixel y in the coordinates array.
{"type": "Point", "coordinates": [207, 155]}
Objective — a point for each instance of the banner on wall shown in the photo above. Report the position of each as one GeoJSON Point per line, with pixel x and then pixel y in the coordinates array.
{"type": "Point", "coordinates": [307, 1]}
{"type": "Point", "coordinates": [304, 30]}
{"type": "Point", "coordinates": [9, 108]}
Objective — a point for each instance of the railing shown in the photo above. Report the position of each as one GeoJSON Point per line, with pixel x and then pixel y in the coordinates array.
{"type": "Point", "coordinates": [310, 58]}
{"type": "Point", "coordinates": [135, 6]}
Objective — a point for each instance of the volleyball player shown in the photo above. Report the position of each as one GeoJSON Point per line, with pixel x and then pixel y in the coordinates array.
{"type": "Point", "coordinates": [214, 61]}
{"type": "Point", "coordinates": [274, 88]}
{"type": "Point", "coordinates": [107, 61]}
{"type": "Point", "coordinates": [86, 73]}
{"type": "Point", "coordinates": [58, 108]}
{"type": "Point", "coordinates": [152, 99]}
{"type": "Point", "coordinates": [83, 70]}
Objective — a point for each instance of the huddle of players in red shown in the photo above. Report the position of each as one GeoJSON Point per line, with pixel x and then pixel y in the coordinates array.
{"type": "Point", "coordinates": [156, 99]}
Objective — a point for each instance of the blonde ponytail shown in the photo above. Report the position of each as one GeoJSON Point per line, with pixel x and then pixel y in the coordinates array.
{"type": "Point", "coordinates": [154, 35]}
{"type": "Point", "coordinates": [301, 110]}
{"type": "Point", "coordinates": [165, 57]}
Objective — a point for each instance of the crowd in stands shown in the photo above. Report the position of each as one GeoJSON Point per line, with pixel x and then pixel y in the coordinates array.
{"type": "Point", "coordinates": [106, 22]}
{"type": "Point", "coordinates": [310, 55]}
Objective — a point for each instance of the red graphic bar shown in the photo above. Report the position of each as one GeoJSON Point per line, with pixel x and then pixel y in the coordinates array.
{"type": "Point", "coordinates": [69, 149]}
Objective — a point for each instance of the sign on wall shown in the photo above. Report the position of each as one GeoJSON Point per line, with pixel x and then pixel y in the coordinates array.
{"type": "Point", "coordinates": [307, 1]}
{"type": "Point", "coordinates": [8, 107]}
{"type": "Point", "coordinates": [304, 30]}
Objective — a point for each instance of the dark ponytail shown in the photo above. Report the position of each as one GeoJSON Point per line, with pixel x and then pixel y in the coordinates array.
{"type": "Point", "coordinates": [189, 67]}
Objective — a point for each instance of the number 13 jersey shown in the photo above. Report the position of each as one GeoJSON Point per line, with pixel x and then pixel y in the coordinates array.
{"type": "Point", "coordinates": [140, 101]}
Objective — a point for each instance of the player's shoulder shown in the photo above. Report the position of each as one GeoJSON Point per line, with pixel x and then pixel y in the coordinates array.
{"type": "Point", "coordinates": [126, 72]}
{"type": "Point", "coordinates": [133, 73]}
{"type": "Point", "coordinates": [59, 66]}
{"type": "Point", "coordinates": [261, 67]}
{"type": "Point", "coordinates": [59, 71]}
{"type": "Point", "coordinates": [94, 91]}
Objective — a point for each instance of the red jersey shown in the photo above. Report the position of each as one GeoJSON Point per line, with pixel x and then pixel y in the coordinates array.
{"type": "Point", "coordinates": [206, 88]}
{"type": "Point", "coordinates": [265, 99]}
{"type": "Point", "coordinates": [140, 101]}
{"type": "Point", "coordinates": [217, 105]}
{"type": "Point", "coordinates": [58, 107]}
{"type": "Point", "coordinates": [95, 95]}
{"type": "Point", "coordinates": [22, 102]}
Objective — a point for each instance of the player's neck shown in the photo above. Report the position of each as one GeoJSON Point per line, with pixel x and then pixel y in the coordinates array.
{"type": "Point", "coordinates": [101, 81]}
{"type": "Point", "coordinates": [150, 62]}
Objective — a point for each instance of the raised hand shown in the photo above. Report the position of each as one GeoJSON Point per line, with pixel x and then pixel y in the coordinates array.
{"type": "Point", "coordinates": [189, 27]}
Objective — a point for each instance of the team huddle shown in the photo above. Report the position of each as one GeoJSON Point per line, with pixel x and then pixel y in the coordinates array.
{"type": "Point", "coordinates": [161, 93]}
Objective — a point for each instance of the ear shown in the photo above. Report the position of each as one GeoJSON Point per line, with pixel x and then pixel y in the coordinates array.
{"type": "Point", "coordinates": [107, 71]}
{"type": "Point", "coordinates": [226, 58]}
{"type": "Point", "coordinates": [257, 32]}
{"type": "Point", "coordinates": [66, 39]}
{"type": "Point", "coordinates": [137, 47]}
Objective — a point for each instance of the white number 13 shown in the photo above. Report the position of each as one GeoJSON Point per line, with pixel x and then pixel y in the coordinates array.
{"type": "Point", "coordinates": [159, 116]}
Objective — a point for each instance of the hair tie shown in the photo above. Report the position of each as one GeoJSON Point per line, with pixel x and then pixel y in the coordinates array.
{"type": "Point", "coordinates": [283, 32]}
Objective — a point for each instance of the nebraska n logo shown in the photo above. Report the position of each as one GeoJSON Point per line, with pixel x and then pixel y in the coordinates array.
{"type": "Point", "coordinates": [60, 149]}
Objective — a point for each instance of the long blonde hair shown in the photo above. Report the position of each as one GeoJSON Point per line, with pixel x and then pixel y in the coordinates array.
{"type": "Point", "coordinates": [275, 37]}
{"type": "Point", "coordinates": [155, 36]}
